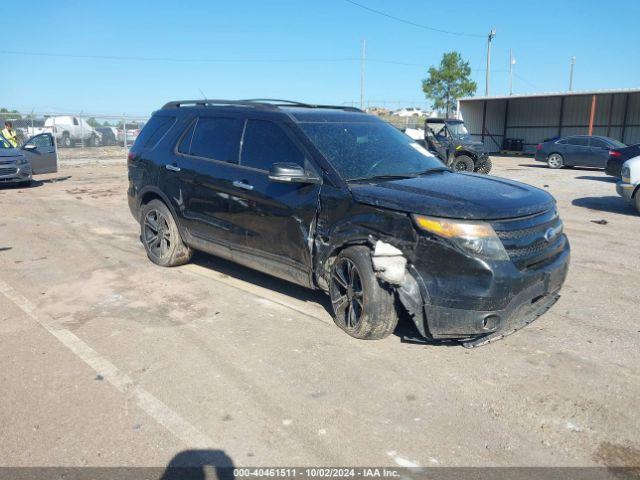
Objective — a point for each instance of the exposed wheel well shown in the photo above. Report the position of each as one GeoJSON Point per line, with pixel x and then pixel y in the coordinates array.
{"type": "Point", "coordinates": [148, 196]}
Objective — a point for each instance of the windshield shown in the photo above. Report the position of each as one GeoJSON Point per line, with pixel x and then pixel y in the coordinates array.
{"type": "Point", "coordinates": [366, 150]}
{"type": "Point", "coordinates": [458, 130]}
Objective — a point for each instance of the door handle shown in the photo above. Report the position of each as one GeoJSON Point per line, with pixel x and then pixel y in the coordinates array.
{"type": "Point", "coordinates": [243, 185]}
{"type": "Point", "coordinates": [173, 168]}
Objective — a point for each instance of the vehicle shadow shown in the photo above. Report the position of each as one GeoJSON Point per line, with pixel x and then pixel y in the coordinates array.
{"type": "Point", "coordinates": [263, 280]}
{"type": "Point", "coordinates": [34, 183]}
{"type": "Point", "coordinates": [544, 165]}
{"type": "Point", "coordinates": [406, 330]}
{"type": "Point", "coordinates": [606, 179]}
{"type": "Point", "coordinates": [199, 465]}
{"type": "Point", "coordinates": [608, 204]}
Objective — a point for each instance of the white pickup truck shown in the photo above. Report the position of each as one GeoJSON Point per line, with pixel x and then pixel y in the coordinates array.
{"type": "Point", "coordinates": [70, 130]}
{"type": "Point", "coordinates": [629, 186]}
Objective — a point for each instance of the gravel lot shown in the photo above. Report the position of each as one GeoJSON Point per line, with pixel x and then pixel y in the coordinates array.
{"type": "Point", "coordinates": [107, 360]}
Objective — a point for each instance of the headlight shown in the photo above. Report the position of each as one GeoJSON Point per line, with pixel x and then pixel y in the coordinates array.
{"type": "Point", "coordinates": [476, 238]}
{"type": "Point", "coordinates": [22, 161]}
{"type": "Point", "coordinates": [625, 172]}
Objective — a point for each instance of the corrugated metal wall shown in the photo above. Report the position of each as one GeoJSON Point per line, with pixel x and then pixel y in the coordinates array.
{"type": "Point", "coordinates": [536, 119]}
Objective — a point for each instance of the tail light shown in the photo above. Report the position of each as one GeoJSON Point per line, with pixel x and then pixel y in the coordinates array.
{"type": "Point", "coordinates": [539, 147]}
{"type": "Point", "coordinates": [614, 154]}
{"type": "Point", "coordinates": [131, 156]}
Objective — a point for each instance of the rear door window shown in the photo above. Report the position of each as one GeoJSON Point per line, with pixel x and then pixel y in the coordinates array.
{"type": "Point", "coordinates": [578, 141]}
{"type": "Point", "coordinates": [154, 130]}
{"type": "Point", "coordinates": [217, 138]}
{"type": "Point", "coordinates": [265, 143]}
{"type": "Point", "coordinates": [597, 143]}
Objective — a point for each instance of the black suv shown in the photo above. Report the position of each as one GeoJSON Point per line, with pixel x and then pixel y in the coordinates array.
{"type": "Point", "coordinates": [335, 199]}
{"type": "Point", "coordinates": [451, 142]}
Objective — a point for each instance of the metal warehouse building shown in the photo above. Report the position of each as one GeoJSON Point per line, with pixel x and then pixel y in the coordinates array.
{"type": "Point", "coordinates": [520, 122]}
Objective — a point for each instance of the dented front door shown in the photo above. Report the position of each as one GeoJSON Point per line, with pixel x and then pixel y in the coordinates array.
{"type": "Point", "coordinates": [272, 221]}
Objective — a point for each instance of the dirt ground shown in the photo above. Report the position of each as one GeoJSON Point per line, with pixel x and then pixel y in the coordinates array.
{"type": "Point", "coordinates": [108, 360]}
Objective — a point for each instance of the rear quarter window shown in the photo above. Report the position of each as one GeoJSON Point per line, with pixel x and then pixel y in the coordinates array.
{"type": "Point", "coordinates": [154, 130]}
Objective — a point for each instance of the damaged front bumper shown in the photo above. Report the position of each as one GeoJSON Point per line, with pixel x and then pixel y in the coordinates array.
{"type": "Point", "coordinates": [512, 299]}
{"type": "Point", "coordinates": [15, 173]}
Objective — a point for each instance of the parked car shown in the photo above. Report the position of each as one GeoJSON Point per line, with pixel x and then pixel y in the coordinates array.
{"type": "Point", "coordinates": [629, 185]}
{"type": "Point", "coordinates": [18, 165]}
{"type": "Point", "coordinates": [109, 135]}
{"type": "Point", "coordinates": [70, 130]}
{"type": "Point", "coordinates": [409, 112]}
{"type": "Point", "coordinates": [577, 151]}
{"type": "Point", "coordinates": [450, 141]}
{"type": "Point", "coordinates": [132, 129]}
{"type": "Point", "coordinates": [617, 157]}
{"type": "Point", "coordinates": [334, 199]}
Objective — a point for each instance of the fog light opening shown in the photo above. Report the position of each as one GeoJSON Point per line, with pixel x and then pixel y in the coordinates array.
{"type": "Point", "coordinates": [490, 323]}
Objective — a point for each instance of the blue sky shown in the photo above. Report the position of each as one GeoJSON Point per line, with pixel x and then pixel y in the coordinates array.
{"type": "Point", "coordinates": [543, 35]}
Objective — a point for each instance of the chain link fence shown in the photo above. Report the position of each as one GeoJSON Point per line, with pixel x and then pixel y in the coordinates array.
{"type": "Point", "coordinates": [80, 130]}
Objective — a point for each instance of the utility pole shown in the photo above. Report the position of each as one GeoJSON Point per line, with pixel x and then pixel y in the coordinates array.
{"type": "Point", "coordinates": [362, 65]}
{"type": "Point", "coordinates": [512, 62]}
{"type": "Point", "coordinates": [491, 36]}
{"type": "Point", "coordinates": [573, 62]}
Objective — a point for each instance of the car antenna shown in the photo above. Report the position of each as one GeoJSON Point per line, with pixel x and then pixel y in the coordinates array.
{"type": "Point", "coordinates": [204, 97]}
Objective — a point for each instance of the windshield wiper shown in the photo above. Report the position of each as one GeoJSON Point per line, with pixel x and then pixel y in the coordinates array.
{"type": "Point", "coordinates": [383, 177]}
{"type": "Point", "coordinates": [433, 170]}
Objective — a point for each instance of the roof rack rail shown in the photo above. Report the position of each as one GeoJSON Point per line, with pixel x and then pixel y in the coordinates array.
{"type": "Point", "coordinates": [266, 103]}
{"type": "Point", "coordinates": [206, 101]}
{"type": "Point", "coordinates": [291, 103]}
{"type": "Point", "coordinates": [278, 101]}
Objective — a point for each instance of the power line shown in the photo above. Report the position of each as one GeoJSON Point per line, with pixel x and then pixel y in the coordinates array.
{"type": "Point", "coordinates": [175, 59]}
{"type": "Point", "coordinates": [409, 22]}
{"type": "Point", "coordinates": [205, 60]}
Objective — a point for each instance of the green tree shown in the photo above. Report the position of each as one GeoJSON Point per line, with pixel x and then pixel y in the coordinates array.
{"type": "Point", "coordinates": [93, 122]}
{"type": "Point", "coordinates": [449, 82]}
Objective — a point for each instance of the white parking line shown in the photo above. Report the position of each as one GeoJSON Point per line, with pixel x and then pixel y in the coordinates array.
{"type": "Point", "coordinates": [149, 403]}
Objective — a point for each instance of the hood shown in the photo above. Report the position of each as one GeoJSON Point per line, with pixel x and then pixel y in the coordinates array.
{"type": "Point", "coordinates": [10, 152]}
{"type": "Point", "coordinates": [475, 145]}
{"type": "Point", "coordinates": [455, 195]}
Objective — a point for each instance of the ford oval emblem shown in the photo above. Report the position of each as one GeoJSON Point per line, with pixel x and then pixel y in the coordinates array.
{"type": "Point", "coordinates": [550, 234]}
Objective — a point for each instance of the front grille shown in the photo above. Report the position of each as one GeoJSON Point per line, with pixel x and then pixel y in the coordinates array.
{"type": "Point", "coordinates": [525, 242]}
{"type": "Point", "coordinates": [8, 171]}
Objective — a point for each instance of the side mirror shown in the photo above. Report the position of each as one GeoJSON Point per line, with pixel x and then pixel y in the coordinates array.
{"type": "Point", "coordinates": [29, 146]}
{"type": "Point", "coordinates": [291, 173]}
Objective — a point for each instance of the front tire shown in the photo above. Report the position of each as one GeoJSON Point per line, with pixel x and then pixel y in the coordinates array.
{"type": "Point", "coordinates": [160, 236]}
{"type": "Point", "coordinates": [463, 163]}
{"type": "Point", "coordinates": [362, 306]}
{"type": "Point", "coordinates": [637, 198]}
{"type": "Point", "coordinates": [555, 161]}
{"type": "Point", "coordinates": [484, 166]}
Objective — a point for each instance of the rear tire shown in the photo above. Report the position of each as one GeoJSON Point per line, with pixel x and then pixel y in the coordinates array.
{"type": "Point", "coordinates": [66, 140]}
{"type": "Point", "coordinates": [362, 306]}
{"type": "Point", "coordinates": [484, 166]}
{"type": "Point", "coordinates": [555, 161]}
{"type": "Point", "coordinates": [160, 236]}
{"type": "Point", "coordinates": [637, 198]}
{"type": "Point", "coordinates": [463, 163]}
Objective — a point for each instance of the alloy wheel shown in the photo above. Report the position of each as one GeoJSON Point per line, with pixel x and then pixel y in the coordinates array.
{"type": "Point", "coordinates": [555, 160]}
{"type": "Point", "coordinates": [347, 294]}
{"type": "Point", "coordinates": [156, 234]}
